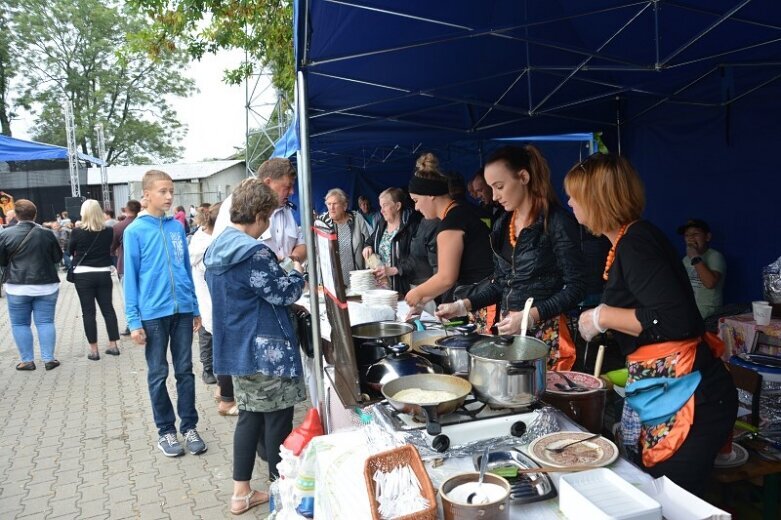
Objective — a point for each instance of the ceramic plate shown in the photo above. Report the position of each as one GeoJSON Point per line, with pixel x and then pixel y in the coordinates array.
{"type": "Point", "coordinates": [580, 378]}
{"type": "Point", "coordinates": [737, 457]}
{"type": "Point", "coordinates": [596, 452]}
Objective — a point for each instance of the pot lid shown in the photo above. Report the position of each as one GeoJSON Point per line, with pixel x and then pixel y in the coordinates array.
{"type": "Point", "coordinates": [509, 348]}
{"type": "Point", "coordinates": [460, 341]}
{"type": "Point", "coordinates": [381, 329]}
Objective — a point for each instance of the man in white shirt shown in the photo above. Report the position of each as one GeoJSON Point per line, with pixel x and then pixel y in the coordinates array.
{"type": "Point", "coordinates": [283, 236]}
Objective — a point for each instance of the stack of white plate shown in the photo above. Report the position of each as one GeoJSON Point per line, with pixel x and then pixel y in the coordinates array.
{"type": "Point", "coordinates": [381, 297]}
{"type": "Point", "coordinates": [361, 281]}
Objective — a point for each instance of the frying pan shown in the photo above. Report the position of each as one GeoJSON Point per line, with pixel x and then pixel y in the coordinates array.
{"type": "Point", "coordinates": [430, 411]}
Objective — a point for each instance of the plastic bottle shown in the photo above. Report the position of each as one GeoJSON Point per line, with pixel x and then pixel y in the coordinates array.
{"type": "Point", "coordinates": [309, 428]}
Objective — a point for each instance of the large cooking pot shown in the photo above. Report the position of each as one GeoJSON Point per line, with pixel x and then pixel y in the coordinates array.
{"type": "Point", "coordinates": [450, 352]}
{"type": "Point", "coordinates": [587, 408]}
{"type": "Point", "coordinates": [398, 363]}
{"type": "Point", "coordinates": [370, 340]}
{"type": "Point", "coordinates": [428, 411]}
{"type": "Point", "coordinates": [508, 371]}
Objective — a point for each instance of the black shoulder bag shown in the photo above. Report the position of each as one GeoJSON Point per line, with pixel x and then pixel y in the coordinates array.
{"type": "Point", "coordinates": [71, 276]}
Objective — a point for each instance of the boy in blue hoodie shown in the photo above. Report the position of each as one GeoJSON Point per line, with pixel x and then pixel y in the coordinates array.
{"type": "Point", "coordinates": [161, 308]}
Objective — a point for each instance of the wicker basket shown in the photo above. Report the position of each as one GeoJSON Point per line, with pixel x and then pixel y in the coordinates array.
{"type": "Point", "coordinates": [388, 460]}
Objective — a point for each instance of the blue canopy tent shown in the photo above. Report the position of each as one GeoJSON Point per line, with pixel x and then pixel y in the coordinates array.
{"type": "Point", "coordinates": [688, 89]}
{"type": "Point", "coordinates": [39, 172]}
{"type": "Point", "coordinates": [12, 150]}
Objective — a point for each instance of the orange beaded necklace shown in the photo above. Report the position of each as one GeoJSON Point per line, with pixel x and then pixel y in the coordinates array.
{"type": "Point", "coordinates": [611, 256]}
{"type": "Point", "coordinates": [513, 236]}
{"type": "Point", "coordinates": [447, 209]}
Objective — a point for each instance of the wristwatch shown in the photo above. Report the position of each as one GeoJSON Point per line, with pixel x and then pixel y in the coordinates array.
{"type": "Point", "coordinates": [696, 260]}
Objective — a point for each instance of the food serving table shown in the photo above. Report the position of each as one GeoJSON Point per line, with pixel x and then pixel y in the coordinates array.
{"type": "Point", "coordinates": [340, 489]}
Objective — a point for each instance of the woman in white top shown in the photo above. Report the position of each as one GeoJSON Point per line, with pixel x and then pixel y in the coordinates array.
{"type": "Point", "coordinates": [90, 247]}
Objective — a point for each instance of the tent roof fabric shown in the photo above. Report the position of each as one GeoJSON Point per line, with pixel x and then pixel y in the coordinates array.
{"type": "Point", "coordinates": [177, 171]}
{"type": "Point", "coordinates": [381, 73]}
{"type": "Point", "coordinates": [12, 149]}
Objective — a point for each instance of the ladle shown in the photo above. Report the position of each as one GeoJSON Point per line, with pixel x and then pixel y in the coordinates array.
{"type": "Point", "coordinates": [481, 498]}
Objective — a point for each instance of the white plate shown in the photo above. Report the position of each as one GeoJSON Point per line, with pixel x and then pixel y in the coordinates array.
{"type": "Point", "coordinates": [737, 457]}
{"type": "Point", "coordinates": [596, 452]}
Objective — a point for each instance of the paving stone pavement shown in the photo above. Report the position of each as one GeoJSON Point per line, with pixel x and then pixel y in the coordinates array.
{"type": "Point", "coordinates": [80, 442]}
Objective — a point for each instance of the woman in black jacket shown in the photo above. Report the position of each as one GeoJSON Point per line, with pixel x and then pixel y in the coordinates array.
{"type": "Point", "coordinates": [29, 255]}
{"type": "Point", "coordinates": [391, 240]}
{"type": "Point", "coordinates": [536, 254]}
{"type": "Point", "coordinates": [90, 247]}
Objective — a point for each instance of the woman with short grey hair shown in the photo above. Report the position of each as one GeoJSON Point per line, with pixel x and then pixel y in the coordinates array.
{"type": "Point", "coordinates": [351, 229]}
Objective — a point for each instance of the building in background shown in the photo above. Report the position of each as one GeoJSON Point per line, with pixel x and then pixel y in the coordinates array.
{"type": "Point", "coordinates": [194, 183]}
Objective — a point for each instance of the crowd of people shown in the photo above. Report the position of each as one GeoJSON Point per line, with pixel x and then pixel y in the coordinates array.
{"type": "Point", "coordinates": [235, 278]}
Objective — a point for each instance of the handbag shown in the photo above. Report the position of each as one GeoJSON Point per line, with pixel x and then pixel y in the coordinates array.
{"type": "Point", "coordinates": [302, 323]}
{"type": "Point", "coordinates": [7, 269]}
{"type": "Point", "coordinates": [71, 275]}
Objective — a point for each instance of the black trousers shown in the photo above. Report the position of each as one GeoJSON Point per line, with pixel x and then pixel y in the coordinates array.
{"type": "Point", "coordinates": [226, 388]}
{"type": "Point", "coordinates": [205, 347]}
{"type": "Point", "coordinates": [91, 287]}
{"type": "Point", "coordinates": [261, 433]}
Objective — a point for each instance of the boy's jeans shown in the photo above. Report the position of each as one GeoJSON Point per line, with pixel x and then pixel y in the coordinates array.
{"type": "Point", "coordinates": [179, 329]}
{"type": "Point", "coordinates": [41, 309]}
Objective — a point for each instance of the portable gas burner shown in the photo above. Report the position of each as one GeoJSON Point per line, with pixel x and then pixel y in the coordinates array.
{"type": "Point", "coordinates": [472, 421]}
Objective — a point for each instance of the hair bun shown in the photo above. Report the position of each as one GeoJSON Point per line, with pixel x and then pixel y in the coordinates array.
{"type": "Point", "coordinates": [427, 162]}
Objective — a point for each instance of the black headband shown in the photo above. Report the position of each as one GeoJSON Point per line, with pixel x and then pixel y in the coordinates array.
{"type": "Point", "coordinates": [421, 186]}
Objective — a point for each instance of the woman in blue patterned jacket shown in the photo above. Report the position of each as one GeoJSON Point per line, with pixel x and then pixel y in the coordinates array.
{"type": "Point", "coordinates": [253, 336]}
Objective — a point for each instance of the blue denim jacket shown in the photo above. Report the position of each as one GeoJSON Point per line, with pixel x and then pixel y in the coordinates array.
{"type": "Point", "coordinates": [250, 294]}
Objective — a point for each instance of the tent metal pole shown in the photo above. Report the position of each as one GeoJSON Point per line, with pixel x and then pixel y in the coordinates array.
{"type": "Point", "coordinates": [585, 62]}
{"type": "Point", "coordinates": [618, 122]}
{"type": "Point", "coordinates": [725, 53]}
{"type": "Point", "coordinates": [705, 31]}
{"type": "Point", "coordinates": [305, 198]}
{"type": "Point", "coordinates": [657, 66]}
{"type": "Point", "coordinates": [403, 15]}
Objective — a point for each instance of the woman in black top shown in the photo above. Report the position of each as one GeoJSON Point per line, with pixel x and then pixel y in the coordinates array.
{"type": "Point", "coordinates": [463, 249]}
{"type": "Point", "coordinates": [536, 253]}
{"type": "Point", "coordinates": [649, 305]}
{"type": "Point", "coordinates": [391, 240]}
{"type": "Point", "coordinates": [90, 247]}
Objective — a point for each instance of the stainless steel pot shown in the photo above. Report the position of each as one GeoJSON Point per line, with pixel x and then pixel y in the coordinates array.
{"type": "Point", "coordinates": [451, 351]}
{"type": "Point", "coordinates": [507, 371]}
{"type": "Point", "coordinates": [370, 340]}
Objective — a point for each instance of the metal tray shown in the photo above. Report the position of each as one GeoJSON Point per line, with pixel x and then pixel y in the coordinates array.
{"type": "Point", "coordinates": [524, 488]}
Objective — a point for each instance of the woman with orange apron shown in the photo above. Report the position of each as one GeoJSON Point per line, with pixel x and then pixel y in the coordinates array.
{"type": "Point", "coordinates": [537, 254]}
{"type": "Point", "coordinates": [681, 403]}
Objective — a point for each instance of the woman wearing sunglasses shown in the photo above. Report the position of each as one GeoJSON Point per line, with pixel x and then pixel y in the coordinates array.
{"type": "Point", "coordinates": [681, 402]}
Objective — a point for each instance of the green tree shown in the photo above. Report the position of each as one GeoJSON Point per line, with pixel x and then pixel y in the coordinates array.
{"type": "Point", "coordinates": [6, 68]}
{"type": "Point", "coordinates": [262, 28]}
{"type": "Point", "coordinates": [78, 50]}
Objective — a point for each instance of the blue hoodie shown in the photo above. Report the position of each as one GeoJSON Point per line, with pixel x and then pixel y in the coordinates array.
{"type": "Point", "coordinates": [158, 281]}
{"type": "Point", "coordinates": [250, 292]}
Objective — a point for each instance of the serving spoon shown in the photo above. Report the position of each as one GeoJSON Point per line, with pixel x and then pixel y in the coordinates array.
{"type": "Point", "coordinates": [481, 498]}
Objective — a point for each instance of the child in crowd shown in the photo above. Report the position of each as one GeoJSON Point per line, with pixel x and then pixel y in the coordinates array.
{"type": "Point", "coordinates": [161, 309]}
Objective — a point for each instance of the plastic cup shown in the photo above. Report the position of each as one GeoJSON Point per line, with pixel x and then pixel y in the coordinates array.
{"type": "Point", "coordinates": [762, 312]}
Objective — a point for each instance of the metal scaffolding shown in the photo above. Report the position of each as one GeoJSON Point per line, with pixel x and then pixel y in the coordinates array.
{"type": "Point", "coordinates": [103, 170]}
{"type": "Point", "coordinates": [73, 156]}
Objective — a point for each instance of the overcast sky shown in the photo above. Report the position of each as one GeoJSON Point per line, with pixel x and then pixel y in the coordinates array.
{"type": "Point", "coordinates": [214, 116]}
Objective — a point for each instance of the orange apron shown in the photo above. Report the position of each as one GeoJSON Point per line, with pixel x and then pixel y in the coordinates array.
{"type": "Point", "coordinates": [669, 359]}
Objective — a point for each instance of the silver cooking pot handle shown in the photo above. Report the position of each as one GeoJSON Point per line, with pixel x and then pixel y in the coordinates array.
{"type": "Point", "coordinates": [517, 369]}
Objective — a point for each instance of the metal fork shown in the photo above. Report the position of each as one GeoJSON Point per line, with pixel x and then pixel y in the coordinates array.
{"type": "Point", "coordinates": [562, 448]}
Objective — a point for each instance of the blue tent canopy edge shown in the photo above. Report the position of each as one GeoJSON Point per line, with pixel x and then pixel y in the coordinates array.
{"type": "Point", "coordinates": [13, 149]}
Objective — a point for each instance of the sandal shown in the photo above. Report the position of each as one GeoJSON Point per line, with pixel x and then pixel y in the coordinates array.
{"type": "Point", "coordinates": [233, 411]}
{"type": "Point", "coordinates": [93, 356]}
{"type": "Point", "coordinates": [51, 365]}
{"type": "Point", "coordinates": [112, 351]}
{"type": "Point", "coordinates": [26, 365]}
{"type": "Point", "coordinates": [254, 498]}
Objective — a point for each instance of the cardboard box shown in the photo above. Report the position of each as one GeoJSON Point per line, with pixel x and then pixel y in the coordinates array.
{"type": "Point", "coordinates": [679, 504]}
